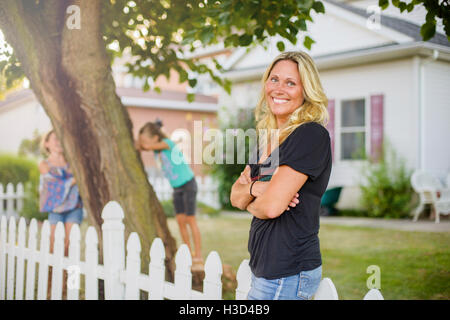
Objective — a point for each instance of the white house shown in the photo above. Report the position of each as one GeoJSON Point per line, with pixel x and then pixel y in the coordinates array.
{"type": "Point", "coordinates": [383, 83]}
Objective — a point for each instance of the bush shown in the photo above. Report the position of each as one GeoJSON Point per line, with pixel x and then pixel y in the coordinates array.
{"type": "Point", "coordinates": [226, 174]}
{"type": "Point", "coordinates": [168, 208]}
{"type": "Point", "coordinates": [207, 210]}
{"type": "Point", "coordinates": [386, 188]}
{"type": "Point", "coordinates": [15, 169]}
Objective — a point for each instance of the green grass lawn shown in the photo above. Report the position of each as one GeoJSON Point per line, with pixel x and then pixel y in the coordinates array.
{"type": "Point", "coordinates": [414, 265]}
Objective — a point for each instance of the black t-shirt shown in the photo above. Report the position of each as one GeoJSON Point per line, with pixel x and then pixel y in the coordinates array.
{"type": "Point", "coordinates": [289, 244]}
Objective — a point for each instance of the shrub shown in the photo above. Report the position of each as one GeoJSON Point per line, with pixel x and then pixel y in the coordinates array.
{"type": "Point", "coordinates": [168, 208]}
{"type": "Point", "coordinates": [226, 174]}
{"type": "Point", "coordinates": [203, 208]}
{"type": "Point", "coordinates": [386, 188]}
{"type": "Point", "coordinates": [15, 169]}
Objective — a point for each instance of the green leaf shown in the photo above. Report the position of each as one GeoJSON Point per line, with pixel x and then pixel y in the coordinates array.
{"type": "Point", "coordinates": [308, 42]}
{"type": "Point", "coordinates": [318, 7]}
{"type": "Point", "coordinates": [192, 82]}
{"type": "Point", "coordinates": [301, 24]}
{"type": "Point", "coordinates": [305, 4]}
{"type": "Point", "coordinates": [280, 46]}
{"type": "Point", "coordinates": [410, 7]}
{"type": "Point", "coordinates": [207, 35]}
{"type": "Point", "coordinates": [245, 40]}
{"type": "Point", "coordinates": [259, 32]}
{"type": "Point", "coordinates": [146, 86]}
{"type": "Point", "coordinates": [383, 4]}
{"type": "Point", "coordinates": [183, 75]}
{"type": "Point", "coordinates": [428, 30]}
{"type": "Point", "coordinates": [190, 97]}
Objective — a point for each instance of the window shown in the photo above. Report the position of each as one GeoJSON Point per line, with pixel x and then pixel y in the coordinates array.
{"type": "Point", "coordinates": [353, 129]}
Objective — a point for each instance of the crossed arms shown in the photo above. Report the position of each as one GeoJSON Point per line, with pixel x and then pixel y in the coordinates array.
{"type": "Point", "coordinates": [272, 197]}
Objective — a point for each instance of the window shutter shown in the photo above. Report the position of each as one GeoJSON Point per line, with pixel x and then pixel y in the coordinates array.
{"type": "Point", "coordinates": [330, 125]}
{"type": "Point", "coordinates": [376, 125]}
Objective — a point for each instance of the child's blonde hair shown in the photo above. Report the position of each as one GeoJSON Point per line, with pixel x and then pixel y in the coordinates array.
{"type": "Point", "coordinates": [44, 140]}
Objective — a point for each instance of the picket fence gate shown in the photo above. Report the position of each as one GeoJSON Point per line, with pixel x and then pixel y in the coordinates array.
{"type": "Point", "coordinates": [121, 271]}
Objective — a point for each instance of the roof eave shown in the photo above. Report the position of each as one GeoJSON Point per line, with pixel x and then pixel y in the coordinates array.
{"type": "Point", "coordinates": [354, 58]}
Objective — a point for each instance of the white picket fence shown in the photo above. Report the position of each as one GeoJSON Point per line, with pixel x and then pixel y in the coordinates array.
{"type": "Point", "coordinates": [24, 268]}
{"type": "Point", "coordinates": [11, 200]}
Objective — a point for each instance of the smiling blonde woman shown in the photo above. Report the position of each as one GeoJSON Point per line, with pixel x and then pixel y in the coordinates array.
{"type": "Point", "coordinates": [283, 189]}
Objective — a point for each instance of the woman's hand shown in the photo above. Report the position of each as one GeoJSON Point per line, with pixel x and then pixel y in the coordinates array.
{"type": "Point", "coordinates": [245, 176]}
{"type": "Point", "coordinates": [293, 202]}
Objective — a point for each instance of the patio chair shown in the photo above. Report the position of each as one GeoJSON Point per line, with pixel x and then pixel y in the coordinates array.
{"type": "Point", "coordinates": [432, 192]}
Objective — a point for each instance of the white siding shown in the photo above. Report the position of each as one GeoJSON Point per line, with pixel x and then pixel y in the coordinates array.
{"type": "Point", "coordinates": [18, 122]}
{"type": "Point", "coordinates": [436, 118]}
{"type": "Point", "coordinates": [395, 81]}
{"type": "Point", "coordinates": [332, 34]}
{"type": "Point", "coordinates": [416, 16]}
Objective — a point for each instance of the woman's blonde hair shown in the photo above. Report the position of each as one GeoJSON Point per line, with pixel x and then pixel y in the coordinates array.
{"type": "Point", "coordinates": [44, 140]}
{"type": "Point", "coordinates": [314, 107]}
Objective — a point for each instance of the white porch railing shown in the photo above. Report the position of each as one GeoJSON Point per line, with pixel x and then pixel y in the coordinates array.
{"type": "Point", "coordinates": [121, 269]}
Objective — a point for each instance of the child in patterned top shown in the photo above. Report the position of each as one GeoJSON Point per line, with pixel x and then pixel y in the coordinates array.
{"type": "Point", "coordinates": [59, 195]}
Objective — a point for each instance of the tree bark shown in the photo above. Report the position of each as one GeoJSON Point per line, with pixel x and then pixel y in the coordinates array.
{"type": "Point", "coordinates": [70, 73]}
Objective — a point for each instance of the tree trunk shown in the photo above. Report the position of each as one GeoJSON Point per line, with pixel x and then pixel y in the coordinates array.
{"type": "Point", "coordinates": [70, 73]}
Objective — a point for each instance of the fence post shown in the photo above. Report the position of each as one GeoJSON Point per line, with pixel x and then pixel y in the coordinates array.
{"type": "Point", "coordinates": [373, 294]}
{"type": "Point", "coordinates": [212, 284]}
{"type": "Point", "coordinates": [73, 270]}
{"type": "Point", "coordinates": [19, 197]}
{"type": "Point", "coordinates": [91, 258]}
{"type": "Point", "coordinates": [31, 263]}
{"type": "Point", "coordinates": [2, 198]}
{"type": "Point", "coordinates": [3, 228]}
{"type": "Point", "coordinates": [183, 275]}
{"type": "Point", "coordinates": [326, 290]}
{"type": "Point", "coordinates": [58, 257]}
{"type": "Point", "coordinates": [11, 258]}
{"type": "Point", "coordinates": [113, 250]}
{"type": "Point", "coordinates": [156, 270]}
{"type": "Point", "coordinates": [20, 275]}
{"type": "Point", "coordinates": [9, 200]}
{"type": "Point", "coordinates": [133, 269]}
{"type": "Point", "coordinates": [244, 280]}
{"type": "Point", "coordinates": [44, 248]}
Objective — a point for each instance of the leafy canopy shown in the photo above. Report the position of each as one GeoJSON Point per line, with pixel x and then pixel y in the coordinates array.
{"type": "Point", "coordinates": [435, 9]}
{"type": "Point", "coordinates": [160, 35]}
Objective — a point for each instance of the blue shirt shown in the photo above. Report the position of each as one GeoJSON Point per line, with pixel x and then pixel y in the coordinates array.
{"type": "Point", "coordinates": [174, 166]}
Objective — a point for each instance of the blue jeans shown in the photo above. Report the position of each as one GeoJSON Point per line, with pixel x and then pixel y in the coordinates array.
{"type": "Point", "coordinates": [301, 286]}
{"type": "Point", "coordinates": [71, 216]}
